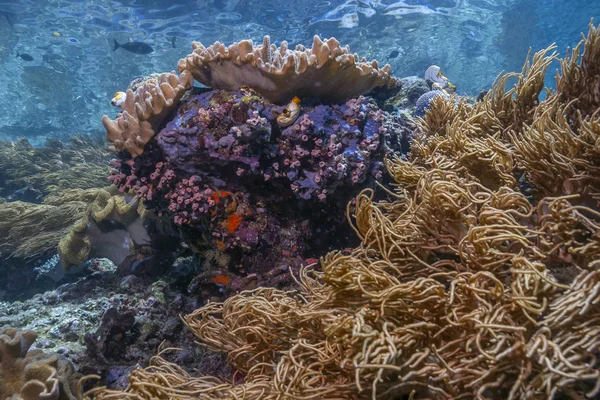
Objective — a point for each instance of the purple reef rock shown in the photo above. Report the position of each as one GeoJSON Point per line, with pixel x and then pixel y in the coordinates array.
{"type": "Point", "coordinates": [234, 137]}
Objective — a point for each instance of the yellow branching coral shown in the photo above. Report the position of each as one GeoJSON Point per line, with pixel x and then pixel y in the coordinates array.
{"type": "Point", "coordinates": [327, 70]}
{"type": "Point", "coordinates": [144, 110]}
{"type": "Point", "coordinates": [462, 287]}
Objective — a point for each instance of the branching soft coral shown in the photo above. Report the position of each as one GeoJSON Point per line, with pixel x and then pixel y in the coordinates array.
{"type": "Point", "coordinates": [454, 138]}
{"type": "Point", "coordinates": [553, 141]}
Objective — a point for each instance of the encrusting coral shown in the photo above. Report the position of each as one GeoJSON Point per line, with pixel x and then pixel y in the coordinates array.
{"type": "Point", "coordinates": [144, 109]}
{"type": "Point", "coordinates": [30, 374]}
{"type": "Point", "coordinates": [463, 286]}
{"type": "Point", "coordinates": [327, 70]}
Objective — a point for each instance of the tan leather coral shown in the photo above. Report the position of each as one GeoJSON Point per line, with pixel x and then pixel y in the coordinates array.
{"type": "Point", "coordinates": [144, 109]}
{"type": "Point", "coordinates": [86, 240]}
{"type": "Point", "coordinates": [326, 70]}
{"type": "Point", "coordinates": [30, 374]}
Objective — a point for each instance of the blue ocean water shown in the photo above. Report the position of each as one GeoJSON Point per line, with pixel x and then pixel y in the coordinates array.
{"type": "Point", "coordinates": [73, 72]}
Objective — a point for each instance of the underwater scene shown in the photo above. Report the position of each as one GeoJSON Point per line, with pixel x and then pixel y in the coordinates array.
{"type": "Point", "coordinates": [300, 200]}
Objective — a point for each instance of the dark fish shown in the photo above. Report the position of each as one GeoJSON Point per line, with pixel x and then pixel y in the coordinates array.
{"type": "Point", "coordinates": [135, 47]}
{"type": "Point", "coordinates": [482, 95]}
{"type": "Point", "coordinates": [25, 56]}
{"type": "Point", "coordinates": [394, 54]}
{"type": "Point", "coordinates": [173, 41]}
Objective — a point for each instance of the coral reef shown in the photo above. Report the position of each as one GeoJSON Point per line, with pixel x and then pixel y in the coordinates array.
{"type": "Point", "coordinates": [327, 70]}
{"type": "Point", "coordinates": [145, 107]}
{"type": "Point", "coordinates": [30, 374]}
{"type": "Point", "coordinates": [463, 286]}
{"type": "Point", "coordinates": [230, 177]}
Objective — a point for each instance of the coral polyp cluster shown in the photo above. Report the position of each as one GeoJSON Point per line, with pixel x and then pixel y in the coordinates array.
{"type": "Point", "coordinates": [479, 277]}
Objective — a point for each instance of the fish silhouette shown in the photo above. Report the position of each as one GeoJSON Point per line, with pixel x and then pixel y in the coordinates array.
{"type": "Point", "coordinates": [25, 56]}
{"type": "Point", "coordinates": [134, 47]}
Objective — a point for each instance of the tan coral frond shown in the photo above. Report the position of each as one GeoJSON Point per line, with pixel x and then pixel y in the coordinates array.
{"type": "Point", "coordinates": [510, 110]}
{"type": "Point", "coordinates": [579, 80]}
{"type": "Point", "coordinates": [144, 110]}
{"type": "Point", "coordinates": [327, 70]}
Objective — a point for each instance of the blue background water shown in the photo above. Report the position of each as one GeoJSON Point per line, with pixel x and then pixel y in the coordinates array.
{"type": "Point", "coordinates": [67, 86]}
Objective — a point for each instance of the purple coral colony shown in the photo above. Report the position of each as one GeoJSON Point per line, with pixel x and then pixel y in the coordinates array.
{"type": "Point", "coordinates": [265, 183]}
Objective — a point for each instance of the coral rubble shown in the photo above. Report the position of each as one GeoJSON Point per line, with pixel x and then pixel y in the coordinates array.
{"type": "Point", "coordinates": [468, 284]}
{"type": "Point", "coordinates": [87, 320]}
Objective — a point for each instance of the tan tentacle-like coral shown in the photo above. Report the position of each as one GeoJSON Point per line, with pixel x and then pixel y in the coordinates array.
{"type": "Point", "coordinates": [327, 70]}
{"type": "Point", "coordinates": [144, 110]}
{"type": "Point", "coordinates": [578, 84]}
{"type": "Point", "coordinates": [465, 286]}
